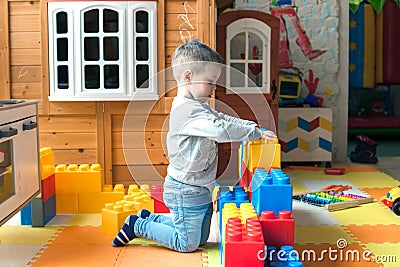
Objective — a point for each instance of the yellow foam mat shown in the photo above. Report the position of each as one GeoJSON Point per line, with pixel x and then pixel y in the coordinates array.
{"type": "Point", "coordinates": [320, 235]}
{"type": "Point", "coordinates": [388, 253]}
{"type": "Point", "coordinates": [370, 213]}
{"type": "Point", "coordinates": [93, 219]}
{"type": "Point", "coordinates": [26, 234]}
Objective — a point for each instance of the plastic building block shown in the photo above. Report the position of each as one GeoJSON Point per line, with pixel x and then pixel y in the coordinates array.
{"type": "Point", "coordinates": [243, 244]}
{"type": "Point", "coordinates": [47, 167]}
{"type": "Point", "coordinates": [37, 207]}
{"type": "Point", "coordinates": [237, 196]}
{"type": "Point", "coordinates": [26, 215]}
{"type": "Point", "coordinates": [78, 179]}
{"type": "Point", "coordinates": [230, 210]}
{"type": "Point", "coordinates": [113, 216]}
{"type": "Point", "coordinates": [261, 153]}
{"type": "Point", "coordinates": [67, 203]}
{"type": "Point", "coordinates": [157, 196]}
{"type": "Point", "coordinates": [285, 257]}
{"type": "Point", "coordinates": [278, 230]}
{"type": "Point", "coordinates": [49, 209]}
{"type": "Point", "coordinates": [94, 202]}
{"type": "Point", "coordinates": [271, 191]}
{"type": "Point", "coordinates": [48, 187]}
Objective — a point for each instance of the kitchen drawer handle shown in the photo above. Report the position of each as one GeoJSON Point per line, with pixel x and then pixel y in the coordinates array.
{"type": "Point", "coordinates": [8, 133]}
{"type": "Point", "coordinates": [29, 126]}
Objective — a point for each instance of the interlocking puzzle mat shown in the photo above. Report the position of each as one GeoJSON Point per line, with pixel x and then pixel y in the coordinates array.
{"type": "Point", "coordinates": [370, 229]}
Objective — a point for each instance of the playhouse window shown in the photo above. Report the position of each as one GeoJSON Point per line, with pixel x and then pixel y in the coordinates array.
{"type": "Point", "coordinates": [248, 50]}
{"type": "Point", "coordinates": [102, 50]}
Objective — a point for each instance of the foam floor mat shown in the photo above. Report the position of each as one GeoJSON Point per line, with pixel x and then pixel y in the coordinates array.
{"type": "Point", "coordinates": [370, 229]}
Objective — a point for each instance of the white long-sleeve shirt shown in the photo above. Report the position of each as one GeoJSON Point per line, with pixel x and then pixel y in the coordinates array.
{"type": "Point", "coordinates": [195, 129]}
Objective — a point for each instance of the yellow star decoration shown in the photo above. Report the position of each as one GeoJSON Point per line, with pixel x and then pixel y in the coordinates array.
{"type": "Point", "coordinates": [352, 67]}
{"type": "Point", "coordinates": [352, 46]}
{"type": "Point", "coordinates": [352, 24]}
{"type": "Point", "coordinates": [328, 92]}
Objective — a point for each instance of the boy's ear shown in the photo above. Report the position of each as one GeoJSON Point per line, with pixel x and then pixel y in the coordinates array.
{"type": "Point", "coordinates": [187, 76]}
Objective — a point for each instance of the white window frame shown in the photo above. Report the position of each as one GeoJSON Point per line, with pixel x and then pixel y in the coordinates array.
{"type": "Point", "coordinates": [127, 89]}
{"type": "Point", "coordinates": [250, 25]}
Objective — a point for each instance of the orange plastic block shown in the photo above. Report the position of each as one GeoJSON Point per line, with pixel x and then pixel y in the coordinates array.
{"type": "Point", "coordinates": [78, 179]}
{"type": "Point", "coordinates": [46, 162]}
{"type": "Point", "coordinates": [113, 216]}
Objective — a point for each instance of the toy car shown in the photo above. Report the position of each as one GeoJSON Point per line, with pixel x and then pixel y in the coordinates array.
{"type": "Point", "coordinates": [392, 200]}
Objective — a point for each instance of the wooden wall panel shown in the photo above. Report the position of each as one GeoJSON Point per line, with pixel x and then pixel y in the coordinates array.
{"type": "Point", "coordinates": [25, 23]}
{"type": "Point", "coordinates": [139, 140]}
{"type": "Point", "coordinates": [176, 6]}
{"type": "Point", "coordinates": [75, 156]}
{"type": "Point", "coordinates": [26, 90]}
{"type": "Point", "coordinates": [139, 174]}
{"type": "Point", "coordinates": [23, 8]}
{"type": "Point", "coordinates": [69, 140]}
{"type": "Point", "coordinates": [25, 57]}
{"type": "Point", "coordinates": [73, 108]}
{"type": "Point", "coordinates": [71, 124]}
{"type": "Point", "coordinates": [25, 40]}
{"type": "Point", "coordinates": [26, 74]}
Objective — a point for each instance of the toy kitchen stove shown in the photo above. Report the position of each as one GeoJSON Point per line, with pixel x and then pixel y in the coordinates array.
{"type": "Point", "coordinates": [19, 156]}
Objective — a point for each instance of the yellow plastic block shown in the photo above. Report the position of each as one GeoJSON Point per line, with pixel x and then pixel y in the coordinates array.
{"type": "Point", "coordinates": [113, 217]}
{"type": "Point", "coordinates": [67, 203]}
{"type": "Point", "coordinates": [94, 202]}
{"type": "Point", "coordinates": [84, 178]}
{"type": "Point", "coordinates": [46, 162]}
{"type": "Point", "coordinates": [141, 200]}
{"type": "Point", "coordinates": [263, 153]}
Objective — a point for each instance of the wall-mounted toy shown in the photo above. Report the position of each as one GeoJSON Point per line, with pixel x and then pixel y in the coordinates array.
{"type": "Point", "coordinates": [332, 200]}
{"type": "Point", "coordinates": [392, 200]}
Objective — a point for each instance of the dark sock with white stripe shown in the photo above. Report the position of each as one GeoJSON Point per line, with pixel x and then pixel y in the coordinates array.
{"type": "Point", "coordinates": [126, 233]}
{"type": "Point", "coordinates": [144, 214]}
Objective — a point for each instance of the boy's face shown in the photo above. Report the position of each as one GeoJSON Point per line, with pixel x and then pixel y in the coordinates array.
{"type": "Point", "coordinates": [203, 84]}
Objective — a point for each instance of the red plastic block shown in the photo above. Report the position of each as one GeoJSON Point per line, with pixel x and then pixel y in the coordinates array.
{"type": "Point", "coordinates": [278, 231]}
{"type": "Point", "coordinates": [48, 187]}
{"type": "Point", "coordinates": [157, 195]}
{"type": "Point", "coordinates": [243, 247]}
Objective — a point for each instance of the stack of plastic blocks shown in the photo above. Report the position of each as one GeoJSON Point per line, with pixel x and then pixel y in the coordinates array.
{"type": "Point", "coordinates": [236, 196]}
{"type": "Point", "coordinates": [79, 189]}
{"type": "Point", "coordinates": [262, 153]}
{"type": "Point", "coordinates": [157, 195]}
{"type": "Point", "coordinates": [271, 191]}
{"type": "Point", "coordinates": [42, 208]}
{"type": "Point", "coordinates": [242, 242]}
{"type": "Point", "coordinates": [113, 215]}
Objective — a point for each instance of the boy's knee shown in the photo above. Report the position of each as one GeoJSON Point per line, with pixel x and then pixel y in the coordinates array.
{"type": "Point", "coordinates": [186, 248]}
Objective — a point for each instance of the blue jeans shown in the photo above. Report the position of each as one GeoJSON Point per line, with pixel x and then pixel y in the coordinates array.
{"type": "Point", "coordinates": [189, 226]}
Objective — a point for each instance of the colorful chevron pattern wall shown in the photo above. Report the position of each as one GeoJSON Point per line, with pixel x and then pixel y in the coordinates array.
{"type": "Point", "coordinates": [305, 134]}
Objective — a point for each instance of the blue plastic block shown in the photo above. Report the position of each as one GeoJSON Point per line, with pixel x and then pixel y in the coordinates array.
{"type": "Point", "coordinates": [49, 209]}
{"type": "Point", "coordinates": [26, 215]}
{"type": "Point", "coordinates": [271, 191]}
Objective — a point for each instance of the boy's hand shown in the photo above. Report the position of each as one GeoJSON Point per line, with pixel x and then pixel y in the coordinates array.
{"type": "Point", "coordinates": [270, 135]}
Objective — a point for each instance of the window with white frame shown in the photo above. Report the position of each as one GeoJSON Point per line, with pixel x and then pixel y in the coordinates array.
{"type": "Point", "coordinates": [102, 50]}
{"type": "Point", "coordinates": [248, 51]}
